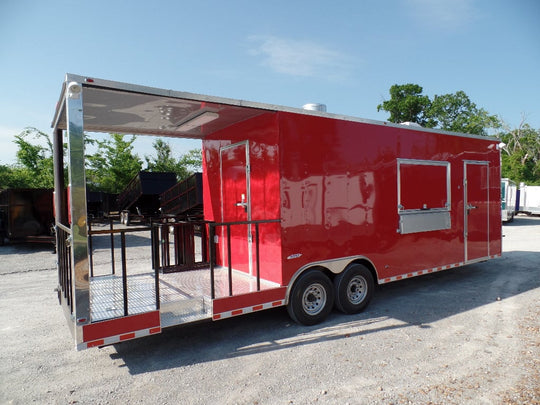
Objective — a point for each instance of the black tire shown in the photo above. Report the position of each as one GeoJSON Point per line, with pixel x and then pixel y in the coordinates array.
{"type": "Point", "coordinates": [311, 298]}
{"type": "Point", "coordinates": [353, 289]}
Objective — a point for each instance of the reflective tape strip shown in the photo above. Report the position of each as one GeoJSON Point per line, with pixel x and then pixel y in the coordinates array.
{"type": "Point", "coordinates": [427, 271]}
{"type": "Point", "coordinates": [247, 310]}
{"type": "Point", "coordinates": [118, 338]}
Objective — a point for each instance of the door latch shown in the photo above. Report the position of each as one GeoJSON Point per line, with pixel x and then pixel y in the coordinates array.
{"type": "Point", "coordinates": [243, 203]}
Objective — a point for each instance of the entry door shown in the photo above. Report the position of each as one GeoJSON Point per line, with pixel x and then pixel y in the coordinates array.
{"type": "Point", "coordinates": [236, 204]}
{"type": "Point", "coordinates": [476, 210]}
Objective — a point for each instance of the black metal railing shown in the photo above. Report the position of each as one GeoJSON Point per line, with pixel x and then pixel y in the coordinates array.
{"type": "Point", "coordinates": [63, 248]}
{"type": "Point", "coordinates": [227, 226]}
{"type": "Point", "coordinates": [112, 232]}
{"type": "Point", "coordinates": [180, 246]}
{"type": "Point", "coordinates": [174, 248]}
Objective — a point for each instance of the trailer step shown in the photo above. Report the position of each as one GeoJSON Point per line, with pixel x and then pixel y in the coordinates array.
{"type": "Point", "coordinates": [186, 311]}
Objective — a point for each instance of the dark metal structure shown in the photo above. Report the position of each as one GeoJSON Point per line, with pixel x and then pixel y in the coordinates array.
{"type": "Point", "coordinates": [184, 198]}
{"type": "Point", "coordinates": [140, 198]}
{"type": "Point", "coordinates": [26, 215]}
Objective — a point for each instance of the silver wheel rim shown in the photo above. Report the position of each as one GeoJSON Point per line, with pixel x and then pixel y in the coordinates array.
{"type": "Point", "coordinates": [314, 299]}
{"type": "Point", "coordinates": [356, 290]}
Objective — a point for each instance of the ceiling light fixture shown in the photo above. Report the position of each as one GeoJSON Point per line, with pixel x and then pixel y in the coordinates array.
{"type": "Point", "coordinates": [198, 121]}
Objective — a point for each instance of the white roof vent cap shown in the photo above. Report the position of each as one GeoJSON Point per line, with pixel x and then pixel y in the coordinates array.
{"type": "Point", "coordinates": [315, 107]}
{"type": "Point", "coordinates": [411, 124]}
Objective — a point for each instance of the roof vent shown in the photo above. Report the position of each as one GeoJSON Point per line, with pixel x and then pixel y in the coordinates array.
{"type": "Point", "coordinates": [411, 124]}
{"type": "Point", "coordinates": [315, 107]}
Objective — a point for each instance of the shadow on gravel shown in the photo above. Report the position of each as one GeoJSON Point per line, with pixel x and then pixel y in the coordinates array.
{"type": "Point", "coordinates": [104, 241]}
{"type": "Point", "coordinates": [416, 302]}
{"type": "Point", "coordinates": [520, 220]}
{"type": "Point", "coordinates": [26, 248]}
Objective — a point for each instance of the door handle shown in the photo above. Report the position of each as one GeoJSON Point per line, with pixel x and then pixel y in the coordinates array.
{"type": "Point", "coordinates": [242, 203]}
{"type": "Point", "coordinates": [471, 207]}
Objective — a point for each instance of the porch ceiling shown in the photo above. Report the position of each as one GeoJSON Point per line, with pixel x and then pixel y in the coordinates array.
{"type": "Point", "coordinates": [130, 109]}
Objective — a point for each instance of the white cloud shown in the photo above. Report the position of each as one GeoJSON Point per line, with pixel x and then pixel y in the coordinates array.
{"type": "Point", "coordinates": [300, 58]}
{"type": "Point", "coordinates": [442, 14]}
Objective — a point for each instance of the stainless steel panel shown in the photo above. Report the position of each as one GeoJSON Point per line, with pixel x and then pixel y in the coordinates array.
{"type": "Point", "coordinates": [77, 198]}
{"type": "Point", "coordinates": [424, 221]}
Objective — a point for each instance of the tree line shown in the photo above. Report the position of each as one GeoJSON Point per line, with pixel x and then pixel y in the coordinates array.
{"type": "Point", "coordinates": [109, 169]}
{"type": "Point", "coordinates": [520, 151]}
{"type": "Point", "coordinates": [114, 163]}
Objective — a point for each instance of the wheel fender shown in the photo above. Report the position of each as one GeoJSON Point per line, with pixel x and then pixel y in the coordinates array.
{"type": "Point", "coordinates": [335, 266]}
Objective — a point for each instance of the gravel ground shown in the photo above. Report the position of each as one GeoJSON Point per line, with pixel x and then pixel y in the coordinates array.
{"type": "Point", "coordinates": [463, 336]}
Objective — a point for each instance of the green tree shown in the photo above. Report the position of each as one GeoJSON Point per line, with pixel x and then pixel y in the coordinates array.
{"type": "Point", "coordinates": [164, 160]}
{"type": "Point", "coordinates": [192, 160]}
{"type": "Point", "coordinates": [113, 165]}
{"type": "Point", "coordinates": [451, 112]}
{"type": "Point", "coordinates": [456, 112]}
{"type": "Point", "coordinates": [521, 154]}
{"type": "Point", "coordinates": [406, 104]}
{"type": "Point", "coordinates": [14, 177]}
{"type": "Point", "coordinates": [34, 167]}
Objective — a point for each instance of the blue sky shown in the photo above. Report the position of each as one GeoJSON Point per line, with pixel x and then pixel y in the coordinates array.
{"type": "Point", "coordinates": [345, 54]}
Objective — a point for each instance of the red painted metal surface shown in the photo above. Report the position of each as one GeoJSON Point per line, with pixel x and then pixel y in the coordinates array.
{"type": "Point", "coordinates": [120, 326]}
{"type": "Point", "coordinates": [346, 173]}
{"type": "Point", "coordinates": [334, 185]}
{"type": "Point", "coordinates": [477, 214]}
{"type": "Point", "coordinates": [264, 197]}
{"type": "Point", "coordinates": [248, 300]}
{"type": "Point", "coordinates": [414, 193]}
{"type": "Point", "coordinates": [235, 205]}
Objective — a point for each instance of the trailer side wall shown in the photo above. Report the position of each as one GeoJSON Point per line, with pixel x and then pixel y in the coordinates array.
{"type": "Point", "coordinates": [340, 193]}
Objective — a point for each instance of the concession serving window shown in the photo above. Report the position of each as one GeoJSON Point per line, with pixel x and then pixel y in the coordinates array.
{"type": "Point", "coordinates": [423, 188]}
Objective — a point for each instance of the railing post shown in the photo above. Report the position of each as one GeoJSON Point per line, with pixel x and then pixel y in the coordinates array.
{"type": "Point", "coordinates": [178, 242]}
{"type": "Point", "coordinates": [156, 278]}
{"type": "Point", "coordinates": [229, 254]}
{"type": "Point", "coordinates": [111, 226]}
{"type": "Point", "coordinates": [124, 271]}
{"type": "Point", "coordinates": [211, 232]}
{"type": "Point", "coordinates": [90, 256]}
{"type": "Point", "coordinates": [257, 257]}
{"type": "Point", "coordinates": [165, 249]}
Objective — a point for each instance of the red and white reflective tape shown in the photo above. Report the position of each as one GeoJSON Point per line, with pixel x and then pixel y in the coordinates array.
{"type": "Point", "coordinates": [119, 338]}
{"type": "Point", "coordinates": [247, 310]}
{"type": "Point", "coordinates": [432, 270]}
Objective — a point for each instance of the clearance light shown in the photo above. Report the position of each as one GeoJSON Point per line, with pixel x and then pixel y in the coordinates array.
{"type": "Point", "coordinates": [198, 121]}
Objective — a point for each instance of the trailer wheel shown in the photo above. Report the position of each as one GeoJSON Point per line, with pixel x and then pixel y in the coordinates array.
{"type": "Point", "coordinates": [311, 298]}
{"type": "Point", "coordinates": [353, 289]}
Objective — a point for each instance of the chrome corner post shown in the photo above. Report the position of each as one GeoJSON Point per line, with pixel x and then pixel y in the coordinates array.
{"type": "Point", "coordinates": [77, 205]}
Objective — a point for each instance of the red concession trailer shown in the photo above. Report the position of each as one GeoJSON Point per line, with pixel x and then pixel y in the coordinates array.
{"type": "Point", "coordinates": [303, 209]}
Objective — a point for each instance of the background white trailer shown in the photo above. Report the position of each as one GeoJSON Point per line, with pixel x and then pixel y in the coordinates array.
{"type": "Point", "coordinates": [508, 200]}
{"type": "Point", "coordinates": [529, 199]}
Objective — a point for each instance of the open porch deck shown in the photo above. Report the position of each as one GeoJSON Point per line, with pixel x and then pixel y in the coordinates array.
{"type": "Point", "coordinates": [182, 297]}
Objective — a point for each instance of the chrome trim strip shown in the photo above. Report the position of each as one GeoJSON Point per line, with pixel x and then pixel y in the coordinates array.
{"type": "Point", "coordinates": [77, 194]}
